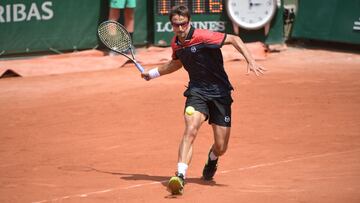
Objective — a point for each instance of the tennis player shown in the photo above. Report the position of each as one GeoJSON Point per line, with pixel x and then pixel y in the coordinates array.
{"type": "Point", "coordinates": [208, 96]}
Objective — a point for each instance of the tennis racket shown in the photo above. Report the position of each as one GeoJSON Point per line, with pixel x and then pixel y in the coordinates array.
{"type": "Point", "coordinates": [115, 37]}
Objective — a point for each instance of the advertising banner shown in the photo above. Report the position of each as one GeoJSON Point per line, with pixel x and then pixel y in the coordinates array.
{"type": "Point", "coordinates": [48, 25]}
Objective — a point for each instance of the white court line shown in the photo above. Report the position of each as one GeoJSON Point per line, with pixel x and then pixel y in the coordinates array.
{"type": "Point", "coordinates": [220, 172]}
{"type": "Point", "coordinates": [288, 160]}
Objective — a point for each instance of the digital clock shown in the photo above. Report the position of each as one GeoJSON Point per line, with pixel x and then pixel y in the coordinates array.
{"type": "Point", "coordinates": [163, 7]}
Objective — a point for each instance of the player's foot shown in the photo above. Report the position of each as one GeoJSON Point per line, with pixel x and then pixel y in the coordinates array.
{"type": "Point", "coordinates": [176, 184]}
{"type": "Point", "coordinates": [210, 168]}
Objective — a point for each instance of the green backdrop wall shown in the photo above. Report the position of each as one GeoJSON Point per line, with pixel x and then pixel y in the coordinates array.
{"type": "Point", "coordinates": [28, 26]}
{"type": "Point", "coordinates": [329, 20]}
{"type": "Point", "coordinates": [45, 25]}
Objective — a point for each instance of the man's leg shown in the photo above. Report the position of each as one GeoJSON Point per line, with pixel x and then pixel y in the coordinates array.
{"type": "Point", "coordinates": [115, 7]}
{"type": "Point", "coordinates": [221, 140]}
{"type": "Point", "coordinates": [114, 14]}
{"type": "Point", "coordinates": [192, 125]}
{"type": "Point", "coordinates": [129, 19]}
{"type": "Point", "coordinates": [129, 22]}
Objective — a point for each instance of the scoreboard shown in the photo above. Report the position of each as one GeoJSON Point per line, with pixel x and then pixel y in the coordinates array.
{"type": "Point", "coordinates": [196, 6]}
{"type": "Point", "coordinates": [205, 14]}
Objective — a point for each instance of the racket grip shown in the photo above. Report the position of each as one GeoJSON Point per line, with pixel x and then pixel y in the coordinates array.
{"type": "Point", "coordinates": [139, 67]}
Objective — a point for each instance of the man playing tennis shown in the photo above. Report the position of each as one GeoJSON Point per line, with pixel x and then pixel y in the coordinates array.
{"type": "Point", "coordinates": [209, 90]}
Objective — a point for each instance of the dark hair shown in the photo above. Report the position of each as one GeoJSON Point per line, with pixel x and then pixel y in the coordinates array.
{"type": "Point", "coordinates": [180, 10]}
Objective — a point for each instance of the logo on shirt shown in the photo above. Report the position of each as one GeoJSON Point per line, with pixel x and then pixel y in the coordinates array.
{"type": "Point", "coordinates": [193, 49]}
{"type": "Point", "coordinates": [227, 119]}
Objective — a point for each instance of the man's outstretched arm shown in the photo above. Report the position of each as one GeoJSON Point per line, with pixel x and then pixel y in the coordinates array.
{"type": "Point", "coordinates": [240, 46]}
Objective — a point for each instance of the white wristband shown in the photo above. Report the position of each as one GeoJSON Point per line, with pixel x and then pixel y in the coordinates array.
{"type": "Point", "coordinates": [154, 73]}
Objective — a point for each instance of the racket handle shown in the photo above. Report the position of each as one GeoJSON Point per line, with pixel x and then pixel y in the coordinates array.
{"type": "Point", "coordinates": [139, 67]}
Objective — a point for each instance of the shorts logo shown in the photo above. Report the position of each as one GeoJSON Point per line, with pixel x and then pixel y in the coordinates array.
{"type": "Point", "coordinates": [193, 49]}
{"type": "Point", "coordinates": [227, 119]}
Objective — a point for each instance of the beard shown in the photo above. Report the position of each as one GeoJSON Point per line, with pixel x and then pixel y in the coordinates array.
{"type": "Point", "coordinates": [181, 34]}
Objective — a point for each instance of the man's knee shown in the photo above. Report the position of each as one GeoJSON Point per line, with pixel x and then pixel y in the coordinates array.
{"type": "Point", "coordinates": [190, 133]}
{"type": "Point", "coordinates": [219, 150]}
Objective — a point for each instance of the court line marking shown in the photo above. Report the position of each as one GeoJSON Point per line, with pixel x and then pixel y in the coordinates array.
{"type": "Point", "coordinates": [290, 160]}
{"type": "Point", "coordinates": [220, 172]}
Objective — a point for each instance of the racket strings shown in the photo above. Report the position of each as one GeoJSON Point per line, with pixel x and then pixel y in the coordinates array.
{"type": "Point", "coordinates": [114, 36]}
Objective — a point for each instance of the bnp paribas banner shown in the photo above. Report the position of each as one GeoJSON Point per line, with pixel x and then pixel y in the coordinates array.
{"type": "Point", "coordinates": [48, 25]}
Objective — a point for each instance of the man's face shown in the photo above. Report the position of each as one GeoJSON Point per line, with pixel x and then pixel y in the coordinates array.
{"type": "Point", "coordinates": [180, 25]}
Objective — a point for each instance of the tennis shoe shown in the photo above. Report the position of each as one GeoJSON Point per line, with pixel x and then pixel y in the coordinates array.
{"type": "Point", "coordinates": [210, 168]}
{"type": "Point", "coordinates": [176, 184]}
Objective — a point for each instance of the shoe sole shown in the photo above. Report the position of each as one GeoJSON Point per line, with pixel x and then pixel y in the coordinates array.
{"type": "Point", "coordinates": [207, 178]}
{"type": "Point", "coordinates": [175, 186]}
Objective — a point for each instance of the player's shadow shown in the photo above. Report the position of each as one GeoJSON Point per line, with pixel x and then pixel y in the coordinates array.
{"type": "Point", "coordinates": [138, 177]}
{"type": "Point", "coordinates": [161, 179]}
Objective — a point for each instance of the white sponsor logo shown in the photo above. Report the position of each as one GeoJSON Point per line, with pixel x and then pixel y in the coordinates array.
{"type": "Point", "coordinates": [193, 49]}
{"type": "Point", "coordinates": [227, 119]}
{"type": "Point", "coordinates": [209, 25]}
{"type": "Point", "coordinates": [21, 12]}
{"type": "Point", "coordinates": [357, 25]}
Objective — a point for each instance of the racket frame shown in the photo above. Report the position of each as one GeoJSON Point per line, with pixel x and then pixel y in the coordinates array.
{"type": "Point", "coordinates": [132, 59]}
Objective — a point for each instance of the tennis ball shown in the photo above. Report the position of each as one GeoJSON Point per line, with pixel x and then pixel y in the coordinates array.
{"type": "Point", "coordinates": [190, 110]}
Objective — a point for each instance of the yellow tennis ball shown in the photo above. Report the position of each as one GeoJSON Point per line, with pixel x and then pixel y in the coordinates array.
{"type": "Point", "coordinates": [190, 110]}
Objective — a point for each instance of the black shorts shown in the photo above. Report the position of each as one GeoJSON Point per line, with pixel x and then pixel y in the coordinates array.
{"type": "Point", "coordinates": [216, 109]}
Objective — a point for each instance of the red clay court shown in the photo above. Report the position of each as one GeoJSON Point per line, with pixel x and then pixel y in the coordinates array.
{"type": "Point", "coordinates": [109, 136]}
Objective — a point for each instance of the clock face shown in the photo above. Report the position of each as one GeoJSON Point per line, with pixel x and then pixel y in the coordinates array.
{"type": "Point", "coordinates": [251, 14]}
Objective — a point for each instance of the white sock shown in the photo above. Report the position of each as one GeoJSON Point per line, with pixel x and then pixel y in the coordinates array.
{"type": "Point", "coordinates": [182, 167]}
{"type": "Point", "coordinates": [213, 156]}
